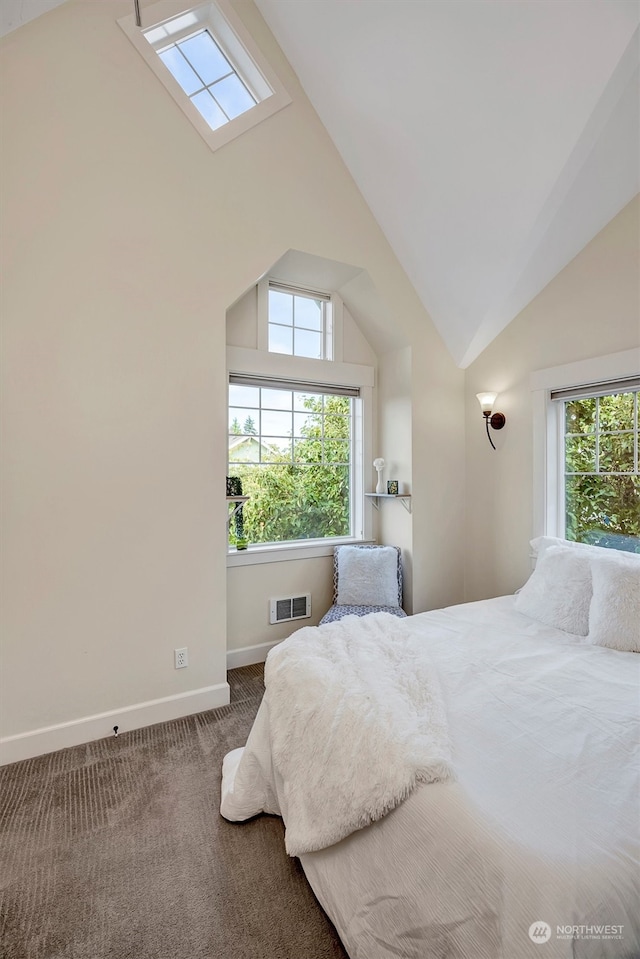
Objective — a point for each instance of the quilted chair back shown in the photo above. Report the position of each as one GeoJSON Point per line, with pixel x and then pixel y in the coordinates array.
{"type": "Point", "coordinates": [366, 579]}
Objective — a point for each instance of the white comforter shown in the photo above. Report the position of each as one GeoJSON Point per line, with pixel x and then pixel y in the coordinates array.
{"type": "Point", "coordinates": [541, 825]}
{"type": "Point", "coordinates": [369, 728]}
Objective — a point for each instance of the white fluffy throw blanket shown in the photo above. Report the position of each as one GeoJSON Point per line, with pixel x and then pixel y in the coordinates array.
{"type": "Point", "coordinates": [356, 722]}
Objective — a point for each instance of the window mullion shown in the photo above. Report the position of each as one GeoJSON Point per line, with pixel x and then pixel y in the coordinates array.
{"type": "Point", "coordinates": [597, 434]}
{"type": "Point", "coordinates": [562, 477]}
{"type": "Point", "coordinates": [191, 66]}
{"type": "Point", "coordinates": [636, 431]}
{"type": "Point", "coordinates": [323, 329]}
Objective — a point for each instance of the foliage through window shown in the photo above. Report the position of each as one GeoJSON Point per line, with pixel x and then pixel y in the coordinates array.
{"type": "Point", "coordinates": [292, 449]}
{"type": "Point", "coordinates": [601, 478]}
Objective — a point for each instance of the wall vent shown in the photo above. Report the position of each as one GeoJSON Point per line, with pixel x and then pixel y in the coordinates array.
{"type": "Point", "coordinates": [290, 607]}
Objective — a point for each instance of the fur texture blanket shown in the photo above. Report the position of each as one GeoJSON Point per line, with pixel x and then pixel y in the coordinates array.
{"type": "Point", "coordinates": [356, 722]}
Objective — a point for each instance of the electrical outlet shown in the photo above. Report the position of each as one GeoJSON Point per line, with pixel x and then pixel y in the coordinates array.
{"type": "Point", "coordinates": [181, 657]}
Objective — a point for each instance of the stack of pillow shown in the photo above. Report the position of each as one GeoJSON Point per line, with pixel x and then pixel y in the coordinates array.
{"type": "Point", "coordinates": [585, 590]}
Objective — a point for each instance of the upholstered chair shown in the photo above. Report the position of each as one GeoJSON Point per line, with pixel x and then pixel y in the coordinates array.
{"type": "Point", "coordinates": [366, 579]}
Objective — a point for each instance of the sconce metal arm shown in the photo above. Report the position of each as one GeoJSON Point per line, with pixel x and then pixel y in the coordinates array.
{"type": "Point", "coordinates": [487, 416]}
{"type": "Point", "coordinates": [496, 421]}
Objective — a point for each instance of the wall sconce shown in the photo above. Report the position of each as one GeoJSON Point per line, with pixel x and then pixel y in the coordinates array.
{"type": "Point", "coordinates": [495, 420]}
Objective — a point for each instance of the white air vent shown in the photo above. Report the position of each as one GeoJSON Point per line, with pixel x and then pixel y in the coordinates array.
{"type": "Point", "coordinates": [290, 607]}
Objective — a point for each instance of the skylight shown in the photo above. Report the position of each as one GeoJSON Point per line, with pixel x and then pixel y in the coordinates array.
{"type": "Point", "coordinates": [211, 67]}
{"type": "Point", "coordinates": [208, 79]}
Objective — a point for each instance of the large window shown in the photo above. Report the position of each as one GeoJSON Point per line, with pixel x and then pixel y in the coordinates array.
{"type": "Point", "coordinates": [600, 482]}
{"type": "Point", "coordinates": [292, 446]}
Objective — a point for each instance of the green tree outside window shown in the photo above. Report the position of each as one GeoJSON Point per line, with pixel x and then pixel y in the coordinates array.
{"type": "Point", "coordinates": [602, 481]}
{"type": "Point", "coordinates": [300, 487]}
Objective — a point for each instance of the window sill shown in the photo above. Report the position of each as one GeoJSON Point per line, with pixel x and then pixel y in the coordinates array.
{"type": "Point", "coordinates": [286, 552]}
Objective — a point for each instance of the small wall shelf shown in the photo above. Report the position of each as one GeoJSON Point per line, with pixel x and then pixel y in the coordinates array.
{"type": "Point", "coordinates": [238, 501]}
{"type": "Point", "coordinates": [405, 499]}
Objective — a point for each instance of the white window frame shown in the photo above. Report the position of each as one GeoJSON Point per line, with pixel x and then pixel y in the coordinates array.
{"type": "Point", "coordinates": [230, 34]}
{"type": "Point", "coordinates": [334, 317]}
{"type": "Point", "coordinates": [303, 369]}
{"type": "Point", "coordinates": [326, 337]}
{"type": "Point", "coordinates": [548, 429]}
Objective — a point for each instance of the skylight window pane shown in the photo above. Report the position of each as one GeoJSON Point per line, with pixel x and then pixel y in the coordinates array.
{"type": "Point", "coordinates": [205, 57]}
{"type": "Point", "coordinates": [181, 71]}
{"type": "Point", "coordinates": [233, 96]}
{"type": "Point", "coordinates": [209, 109]}
{"type": "Point", "coordinates": [308, 313]}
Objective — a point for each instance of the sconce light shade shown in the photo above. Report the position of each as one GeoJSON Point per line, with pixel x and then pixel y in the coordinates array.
{"type": "Point", "coordinates": [486, 401]}
{"type": "Point", "coordinates": [495, 420]}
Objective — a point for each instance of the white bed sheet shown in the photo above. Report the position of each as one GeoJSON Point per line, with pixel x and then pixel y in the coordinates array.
{"type": "Point", "coordinates": [540, 827]}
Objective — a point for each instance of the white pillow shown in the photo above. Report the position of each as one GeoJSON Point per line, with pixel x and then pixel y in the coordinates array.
{"type": "Point", "coordinates": [541, 544]}
{"type": "Point", "coordinates": [367, 577]}
{"type": "Point", "coordinates": [614, 615]}
{"type": "Point", "coordinates": [558, 592]}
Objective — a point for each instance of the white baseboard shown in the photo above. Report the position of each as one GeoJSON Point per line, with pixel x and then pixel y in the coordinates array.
{"type": "Point", "coordinates": [84, 730]}
{"type": "Point", "coordinates": [249, 655]}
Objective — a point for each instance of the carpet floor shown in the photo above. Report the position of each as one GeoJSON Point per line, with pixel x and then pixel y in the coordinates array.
{"type": "Point", "coordinates": [116, 850]}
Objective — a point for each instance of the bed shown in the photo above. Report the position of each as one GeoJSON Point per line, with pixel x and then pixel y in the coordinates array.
{"type": "Point", "coordinates": [513, 828]}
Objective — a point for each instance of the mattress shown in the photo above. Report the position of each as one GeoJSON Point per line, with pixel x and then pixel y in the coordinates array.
{"type": "Point", "coordinates": [533, 850]}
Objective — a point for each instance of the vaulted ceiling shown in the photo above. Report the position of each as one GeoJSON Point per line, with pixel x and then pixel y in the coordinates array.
{"type": "Point", "coordinates": [492, 139]}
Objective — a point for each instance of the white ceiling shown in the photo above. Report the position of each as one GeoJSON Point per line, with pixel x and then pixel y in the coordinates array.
{"type": "Point", "coordinates": [492, 139]}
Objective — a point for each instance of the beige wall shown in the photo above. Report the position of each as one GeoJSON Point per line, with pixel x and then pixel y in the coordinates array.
{"type": "Point", "coordinates": [249, 589]}
{"type": "Point", "coordinates": [590, 309]}
{"type": "Point", "coordinates": [124, 242]}
{"type": "Point", "coordinates": [438, 480]}
{"type": "Point", "coordinates": [395, 523]}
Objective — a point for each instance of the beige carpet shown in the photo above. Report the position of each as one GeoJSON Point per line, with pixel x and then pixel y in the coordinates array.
{"type": "Point", "coordinates": [116, 850]}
